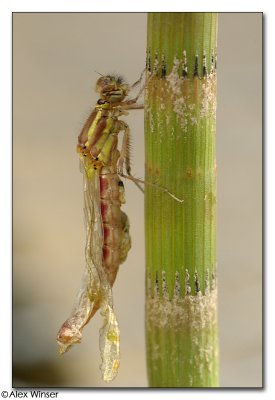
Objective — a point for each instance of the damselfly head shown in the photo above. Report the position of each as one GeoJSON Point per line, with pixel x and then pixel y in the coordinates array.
{"type": "Point", "coordinates": [112, 88]}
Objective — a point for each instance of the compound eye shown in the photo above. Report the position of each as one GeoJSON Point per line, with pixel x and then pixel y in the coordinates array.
{"type": "Point", "coordinates": [100, 102]}
{"type": "Point", "coordinates": [106, 80]}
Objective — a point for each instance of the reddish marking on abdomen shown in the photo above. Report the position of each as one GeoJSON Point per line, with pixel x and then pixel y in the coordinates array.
{"type": "Point", "coordinates": [104, 210]}
{"type": "Point", "coordinates": [111, 219]}
{"type": "Point", "coordinates": [106, 234]}
{"type": "Point", "coordinates": [104, 186]}
{"type": "Point", "coordinates": [110, 213]}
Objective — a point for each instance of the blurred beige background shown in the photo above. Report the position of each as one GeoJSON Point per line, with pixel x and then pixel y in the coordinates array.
{"type": "Point", "coordinates": [54, 61]}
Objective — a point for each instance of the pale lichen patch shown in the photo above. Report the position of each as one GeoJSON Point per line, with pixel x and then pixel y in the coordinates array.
{"type": "Point", "coordinates": [189, 312]}
{"type": "Point", "coordinates": [192, 312]}
{"type": "Point", "coordinates": [174, 79]}
{"type": "Point", "coordinates": [208, 97]}
{"type": "Point", "coordinates": [192, 99]}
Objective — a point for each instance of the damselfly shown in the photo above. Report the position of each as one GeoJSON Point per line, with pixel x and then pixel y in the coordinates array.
{"type": "Point", "coordinates": [107, 227]}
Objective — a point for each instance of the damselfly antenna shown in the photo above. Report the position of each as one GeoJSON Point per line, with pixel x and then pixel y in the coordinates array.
{"type": "Point", "coordinates": [99, 73]}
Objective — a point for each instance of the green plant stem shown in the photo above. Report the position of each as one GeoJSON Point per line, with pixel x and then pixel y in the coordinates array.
{"type": "Point", "coordinates": [180, 128]}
